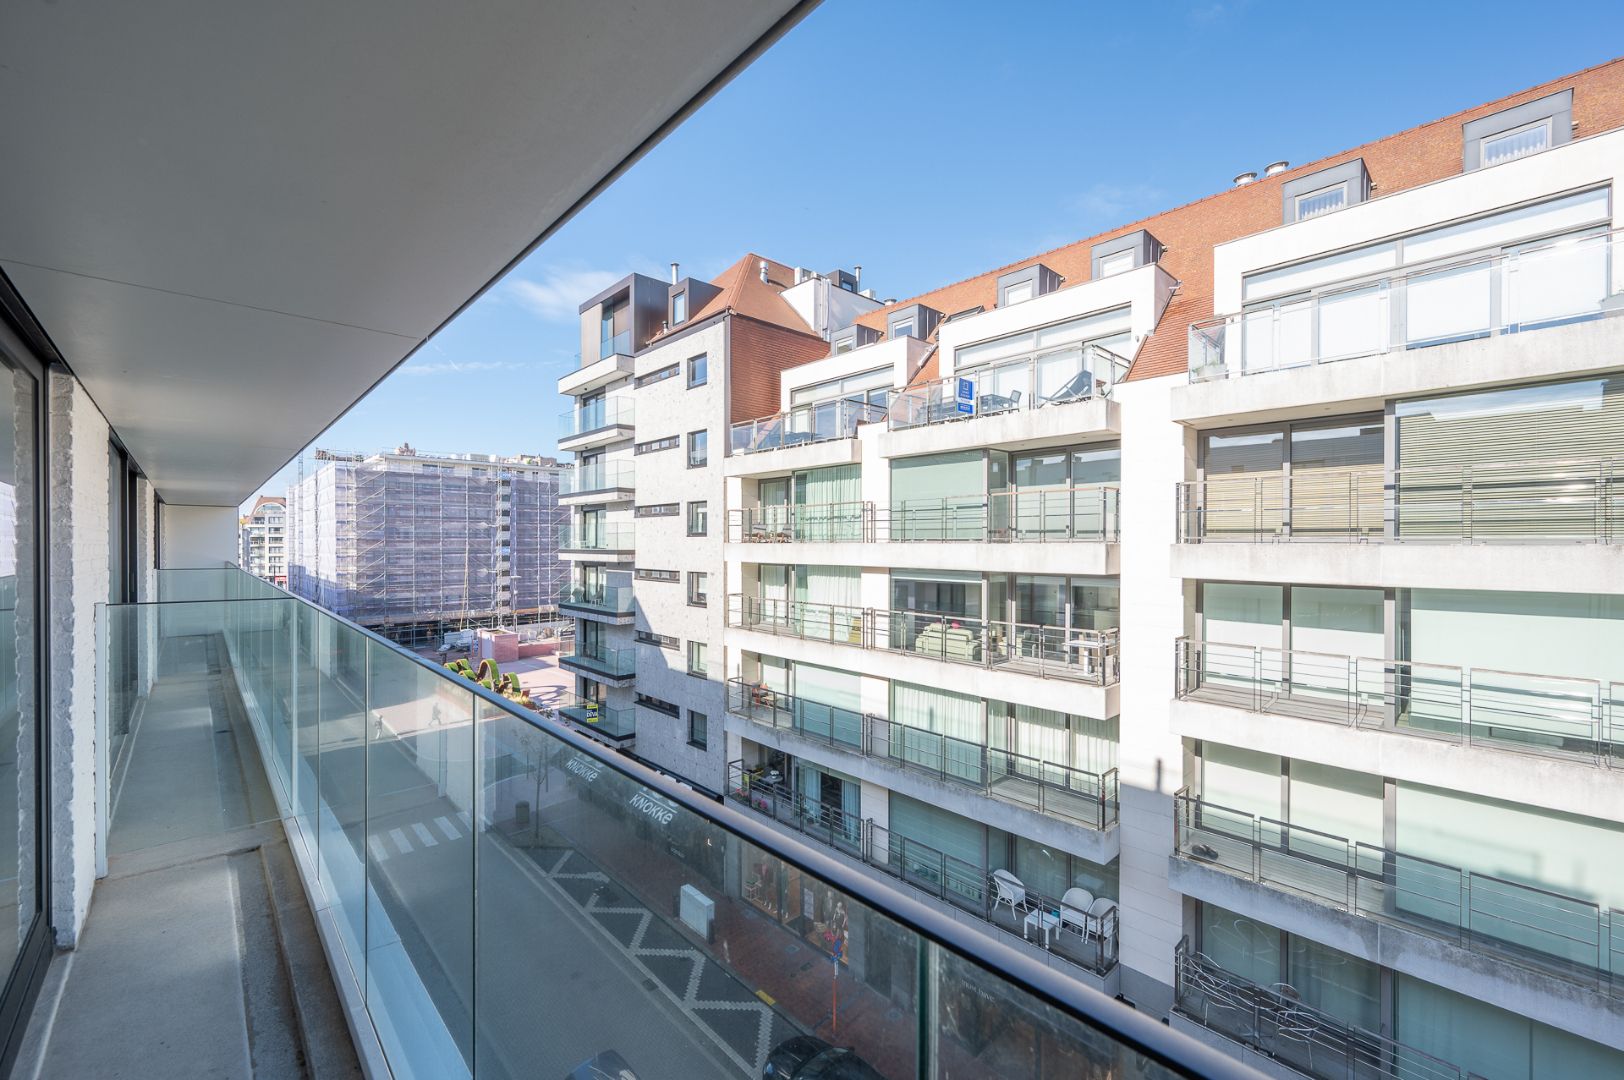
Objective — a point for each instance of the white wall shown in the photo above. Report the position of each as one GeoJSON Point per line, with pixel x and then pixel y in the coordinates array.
{"type": "Point", "coordinates": [197, 535]}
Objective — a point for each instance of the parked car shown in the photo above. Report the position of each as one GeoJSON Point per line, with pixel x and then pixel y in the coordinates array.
{"type": "Point", "coordinates": [805, 1057]}
{"type": "Point", "coordinates": [607, 1065]}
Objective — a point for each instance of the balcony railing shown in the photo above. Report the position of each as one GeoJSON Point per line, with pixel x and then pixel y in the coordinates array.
{"type": "Point", "coordinates": [601, 476]}
{"type": "Point", "coordinates": [611, 723]}
{"type": "Point", "coordinates": [1556, 716]}
{"type": "Point", "coordinates": [1551, 502]}
{"type": "Point", "coordinates": [1085, 939]}
{"type": "Point", "coordinates": [1053, 515]}
{"type": "Point", "coordinates": [1562, 282]}
{"type": "Point", "coordinates": [619, 345]}
{"type": "Point", "coordinates": [1275, 1021]}
{"type": "Point", "coordinates": [1086, 798]}
{"type": "Point", "coordinates": [600, 660]}
{"type": "Point", "coordinates": [609, 599]}
{"type": "Point", "coordinates": [804, 424]}
{"type": "Point", "coordinates": [466, 854]}
{"type": "Point", "coordinates": [1057, 652]}
{"type": "Point", "coordinates": [1541, 929]}
{"type": "Point", "coordinates": [604, 536]}
{"type": "Point", "coordinates": [1057, 377]}
{"type": "Point", "coordinates": [596, 415]}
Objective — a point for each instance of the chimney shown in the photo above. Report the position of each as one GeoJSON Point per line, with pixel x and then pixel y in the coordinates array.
{"type": "Point", "coordinates": [673, 273]}
{"type": "Point", "coordinates": [764, 271]}
{"type": "Point", "coordinates": [1245, 178]}
{"type": "Point", "coordinates": [857, 273]}
{"type": "Point", "coordinates": [1275, 168]}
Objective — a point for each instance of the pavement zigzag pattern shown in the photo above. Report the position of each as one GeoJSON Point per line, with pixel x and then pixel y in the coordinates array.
{"type": "Point", "coordinates": [741, 1024]}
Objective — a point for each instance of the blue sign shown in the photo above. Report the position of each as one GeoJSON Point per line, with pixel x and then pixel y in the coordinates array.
{"type": "Point", "coordinates": [966, 396]}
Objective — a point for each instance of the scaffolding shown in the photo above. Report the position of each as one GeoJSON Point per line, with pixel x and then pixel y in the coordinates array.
{"type": "Point", "coordinates": [421, 544]}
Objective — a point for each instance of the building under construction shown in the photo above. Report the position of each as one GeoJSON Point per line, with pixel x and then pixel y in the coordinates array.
{"type": "Point", "coordinates": [415, 544]}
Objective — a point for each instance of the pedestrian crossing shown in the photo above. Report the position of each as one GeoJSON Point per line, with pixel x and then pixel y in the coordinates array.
{"type": "Point", "coordinates": [420, 836]}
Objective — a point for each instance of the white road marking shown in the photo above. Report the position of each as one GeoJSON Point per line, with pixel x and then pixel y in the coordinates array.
{"type": "Point", "coordinates": [379, 852]}
{"type": "Point", "coordinates": [400, 840]}
{"type": "Point", "coordinates": [449, 829]}
{"type": "Point", "coordinates": [424, 835]}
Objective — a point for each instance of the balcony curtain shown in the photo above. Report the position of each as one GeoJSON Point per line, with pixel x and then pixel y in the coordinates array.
{"type": "Point", "coordinates": [962, 842]}
{"type": "Point", "coordinates": [828, 703]}
{"type": "Point", "coordinates": [944, 731]}
{"type": "Point", "coordinates": [938, 496]}
{"type": "Point", "coordinates": [827, 603]}
{"type": "Point", "coordinates": [1488, 1041]}
{"type": "Point", "coordinates": [828, 503]}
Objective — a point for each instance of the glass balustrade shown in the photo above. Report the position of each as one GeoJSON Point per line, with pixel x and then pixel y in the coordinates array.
{"type": "Point", "coordinates": [1035, 516]}
{"type": "Point", "coordinates": [1565, 281]}
{"type": "Point", "coordinates": [471, 859]}
{"type": "Point", "coordinates": [599, 476]}
{"type": "Point", "coordinates": [1058, 377]}
{"type": "Point", "coordinates": [595, 415]}
{"type": "Point", "coordinates": [804, 424]}
{"type": "Point", "coordinates": [609, 599]}
{"type": "Point", "coordinates": [597, 536]}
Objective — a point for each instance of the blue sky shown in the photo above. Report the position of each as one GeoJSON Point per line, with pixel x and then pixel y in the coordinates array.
{"type": "Point", "coordinates": [929, 142]}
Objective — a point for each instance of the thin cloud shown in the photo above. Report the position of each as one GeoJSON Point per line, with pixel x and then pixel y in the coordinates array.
{"type": "Point", "coordinates": [556, 294]}
{"type": "Point", "coordinates": [458, 367]}
{"type": "Point", "coordinates": [1103, 205]}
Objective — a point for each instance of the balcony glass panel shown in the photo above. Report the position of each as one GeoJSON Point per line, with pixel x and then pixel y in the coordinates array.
{"type": "Point", "coordinates": [472, 855]}
{"type": "Point", "coordinates": [1054, 377]}
{"type": "Point", "coordinates": [804, 424]}
{"type": "Point", "coordinates": [598, 476]}
{"type": "Point", "coordinates": [609, 599]}
{"type": "Point", "coordinates": [595, 415]}
{"type": "Point", "coordinates": [593, 535]}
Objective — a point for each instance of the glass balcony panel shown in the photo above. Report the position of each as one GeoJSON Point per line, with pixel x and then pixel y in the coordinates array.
{"type": "Point", "coordinates": [341, 834]}
{"type": "Point", "coordinates": [1055, 377]}
{"type": "Point", "coordinates": [420, 873]}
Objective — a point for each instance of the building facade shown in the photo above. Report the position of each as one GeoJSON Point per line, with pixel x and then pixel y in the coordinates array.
{"type": "Point", "coordinates": [417, 544]}
{"type": "Point", "coordinates": [1226, 609]}
{"type": "Point", "coordinates": [264, 551]}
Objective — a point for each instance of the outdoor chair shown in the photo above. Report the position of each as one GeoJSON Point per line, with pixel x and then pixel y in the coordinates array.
{"type": "Point", "coordinates": [1101, 912]}
{"type": "Point", "coordinates": [1298, 1026]}
{"type": "Point", "coordinates": [1074, 906]}
{"type": "Point", "coordinates": [1080, 388]}
{"type": "Point", "coordinates": [1010, 890]}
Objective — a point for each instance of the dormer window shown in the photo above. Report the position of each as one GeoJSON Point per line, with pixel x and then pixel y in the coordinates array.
{"type": "Point", "coordinates": [903, 329]}
{"type": "Point", "coordinates": [1324, 192]}
{"type": "Point", "coordinates": [1517, 132]}
{"type": "Point", "coordinates": [1116, 263]}
{"type": "Point", "coordinates": [1018, 293]}
{"type": "Point", "coordinates": [1323, 201]}
{"type": "Point", "coordinates": [679, 308]}
{"type": "Point", "coordinates": [1519, 142]}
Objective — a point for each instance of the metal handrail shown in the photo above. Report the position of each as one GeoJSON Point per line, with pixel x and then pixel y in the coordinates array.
{"type": "Point", "coordinates": [1089, 513]}
{"type": "Point", "coordinates": [1291, 1031]}
{"type": "Point", "coordinates": [1526, 925]}
{"type": "Point", "coordinates": [1047, 651]}
{"type": "Point", "coordinates": [822, 421]}
{"type": "Point", "coordinates": [1290, 333]}
{"type": "Point", "coordinates": [1553, 715]}
{"type": "Point", "coordinates": [1558, 501]}
{"type": "Point", "coordinates": [1010, 385]}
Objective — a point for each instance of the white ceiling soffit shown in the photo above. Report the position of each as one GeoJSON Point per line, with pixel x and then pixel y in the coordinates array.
{"type": "Point", "coordinates": [233, 219]}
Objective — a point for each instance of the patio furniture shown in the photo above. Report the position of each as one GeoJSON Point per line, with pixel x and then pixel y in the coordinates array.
{"type": "Point", "coordinates": [1046, 921]}
{"type": "Point", "coordinates": [1074, 905]}
{"type": "Point", "coordinates": [1101, 915]}
{"type": "Point", "coordinates": [1010, 890]}
{"type": "Point", "coordinates": [1217, 994]}
{"type": "Point", "coordinates": [1080, 388]}
{"type": "Point", "coordinates": [948, 642]}
{"type": "Point", "coordinates": [996, 403]}
{"type": "Point", "coordinates": [1299, 1026]}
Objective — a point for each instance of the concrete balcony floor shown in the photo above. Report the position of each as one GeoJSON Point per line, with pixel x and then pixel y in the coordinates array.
{"type": "Point", "coordinates": [200, 956]}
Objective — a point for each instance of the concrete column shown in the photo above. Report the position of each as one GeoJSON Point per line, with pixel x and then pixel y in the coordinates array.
{"type": "Point", "coordinates": [80, 580]}
{"type": "Point", "coordinates": [1156, 454]}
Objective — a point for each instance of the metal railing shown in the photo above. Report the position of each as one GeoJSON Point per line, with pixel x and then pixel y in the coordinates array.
{"type": "Point", "coordinates": [1056, 377]}
{"type": "Point", "coordinates": [827, 824]}
{"type": "Point", "coordinates": [1091, 513]}
{"type": "Point", "coordinates": [596, 415]}
{"type": "Point", "coordinates": [1573, 501]}
{"type": "Point", "coordinates": [388, 773]}
{"type": "Point", "coordinates": [601, 660]}
{"type": "Point", "coordinates": [600, 476]}
{"type": "Point", "coordinates": [618, 724]}
{"type": "Point", "coordinates": [1089, 799]}
{"type": "Point", "coordinates": [1057, 652]}
{"type": "Point", "coordinates": [610, 599]}
{"type": "Point", "coordinates": [1566, 281]}
{"type": "Point", "coordinates": [804, 424]}
{"type": "Point", "coordinates": [1541, 929]}
{"type": "Point", "coordinates": [1276, 1022]}
{"type": "Point", "coordinates": [1556, 716]}
{"type": "Point", "coordinates": [603, 536]}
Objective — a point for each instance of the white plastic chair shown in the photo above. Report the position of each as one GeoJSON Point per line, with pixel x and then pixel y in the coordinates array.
{"type": "Point", "coordinates": [1010, 890]}
{"type": "Point", "coordinates": [1099, 912]}
{"type": "Point", "coordinates": [1074, 909]}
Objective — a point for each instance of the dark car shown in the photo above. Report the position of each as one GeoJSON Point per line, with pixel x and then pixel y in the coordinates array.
{"type": "Point", "coordinates": [605, 1066]}
{"type": "Point", "coordinates": [807, 1058]}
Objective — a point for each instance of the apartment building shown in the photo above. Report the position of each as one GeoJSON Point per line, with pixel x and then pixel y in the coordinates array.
{"type": "Point", "coordinates": [416, 544]}
{"type": "Point", "coordinates": [667, 368]}
{"type": "Point", "coordinates": [264, 550]}
{"type": "Point", "coordinates": [1225, 610]}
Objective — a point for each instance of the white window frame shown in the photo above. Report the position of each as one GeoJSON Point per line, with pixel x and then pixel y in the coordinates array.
{"type": "Point", "coordinates": [1031, 288]}
{"type": "Point", "coordinates": [679, 308]}
{"type": "Point", "coordinates": [1499, 136]}
{"type": "Point", "coordinates": [1297, 203]}
{"type": "Point", "coordinates": [1118, 262]}
{"type": "Point", "coordinates": [903, 329]}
